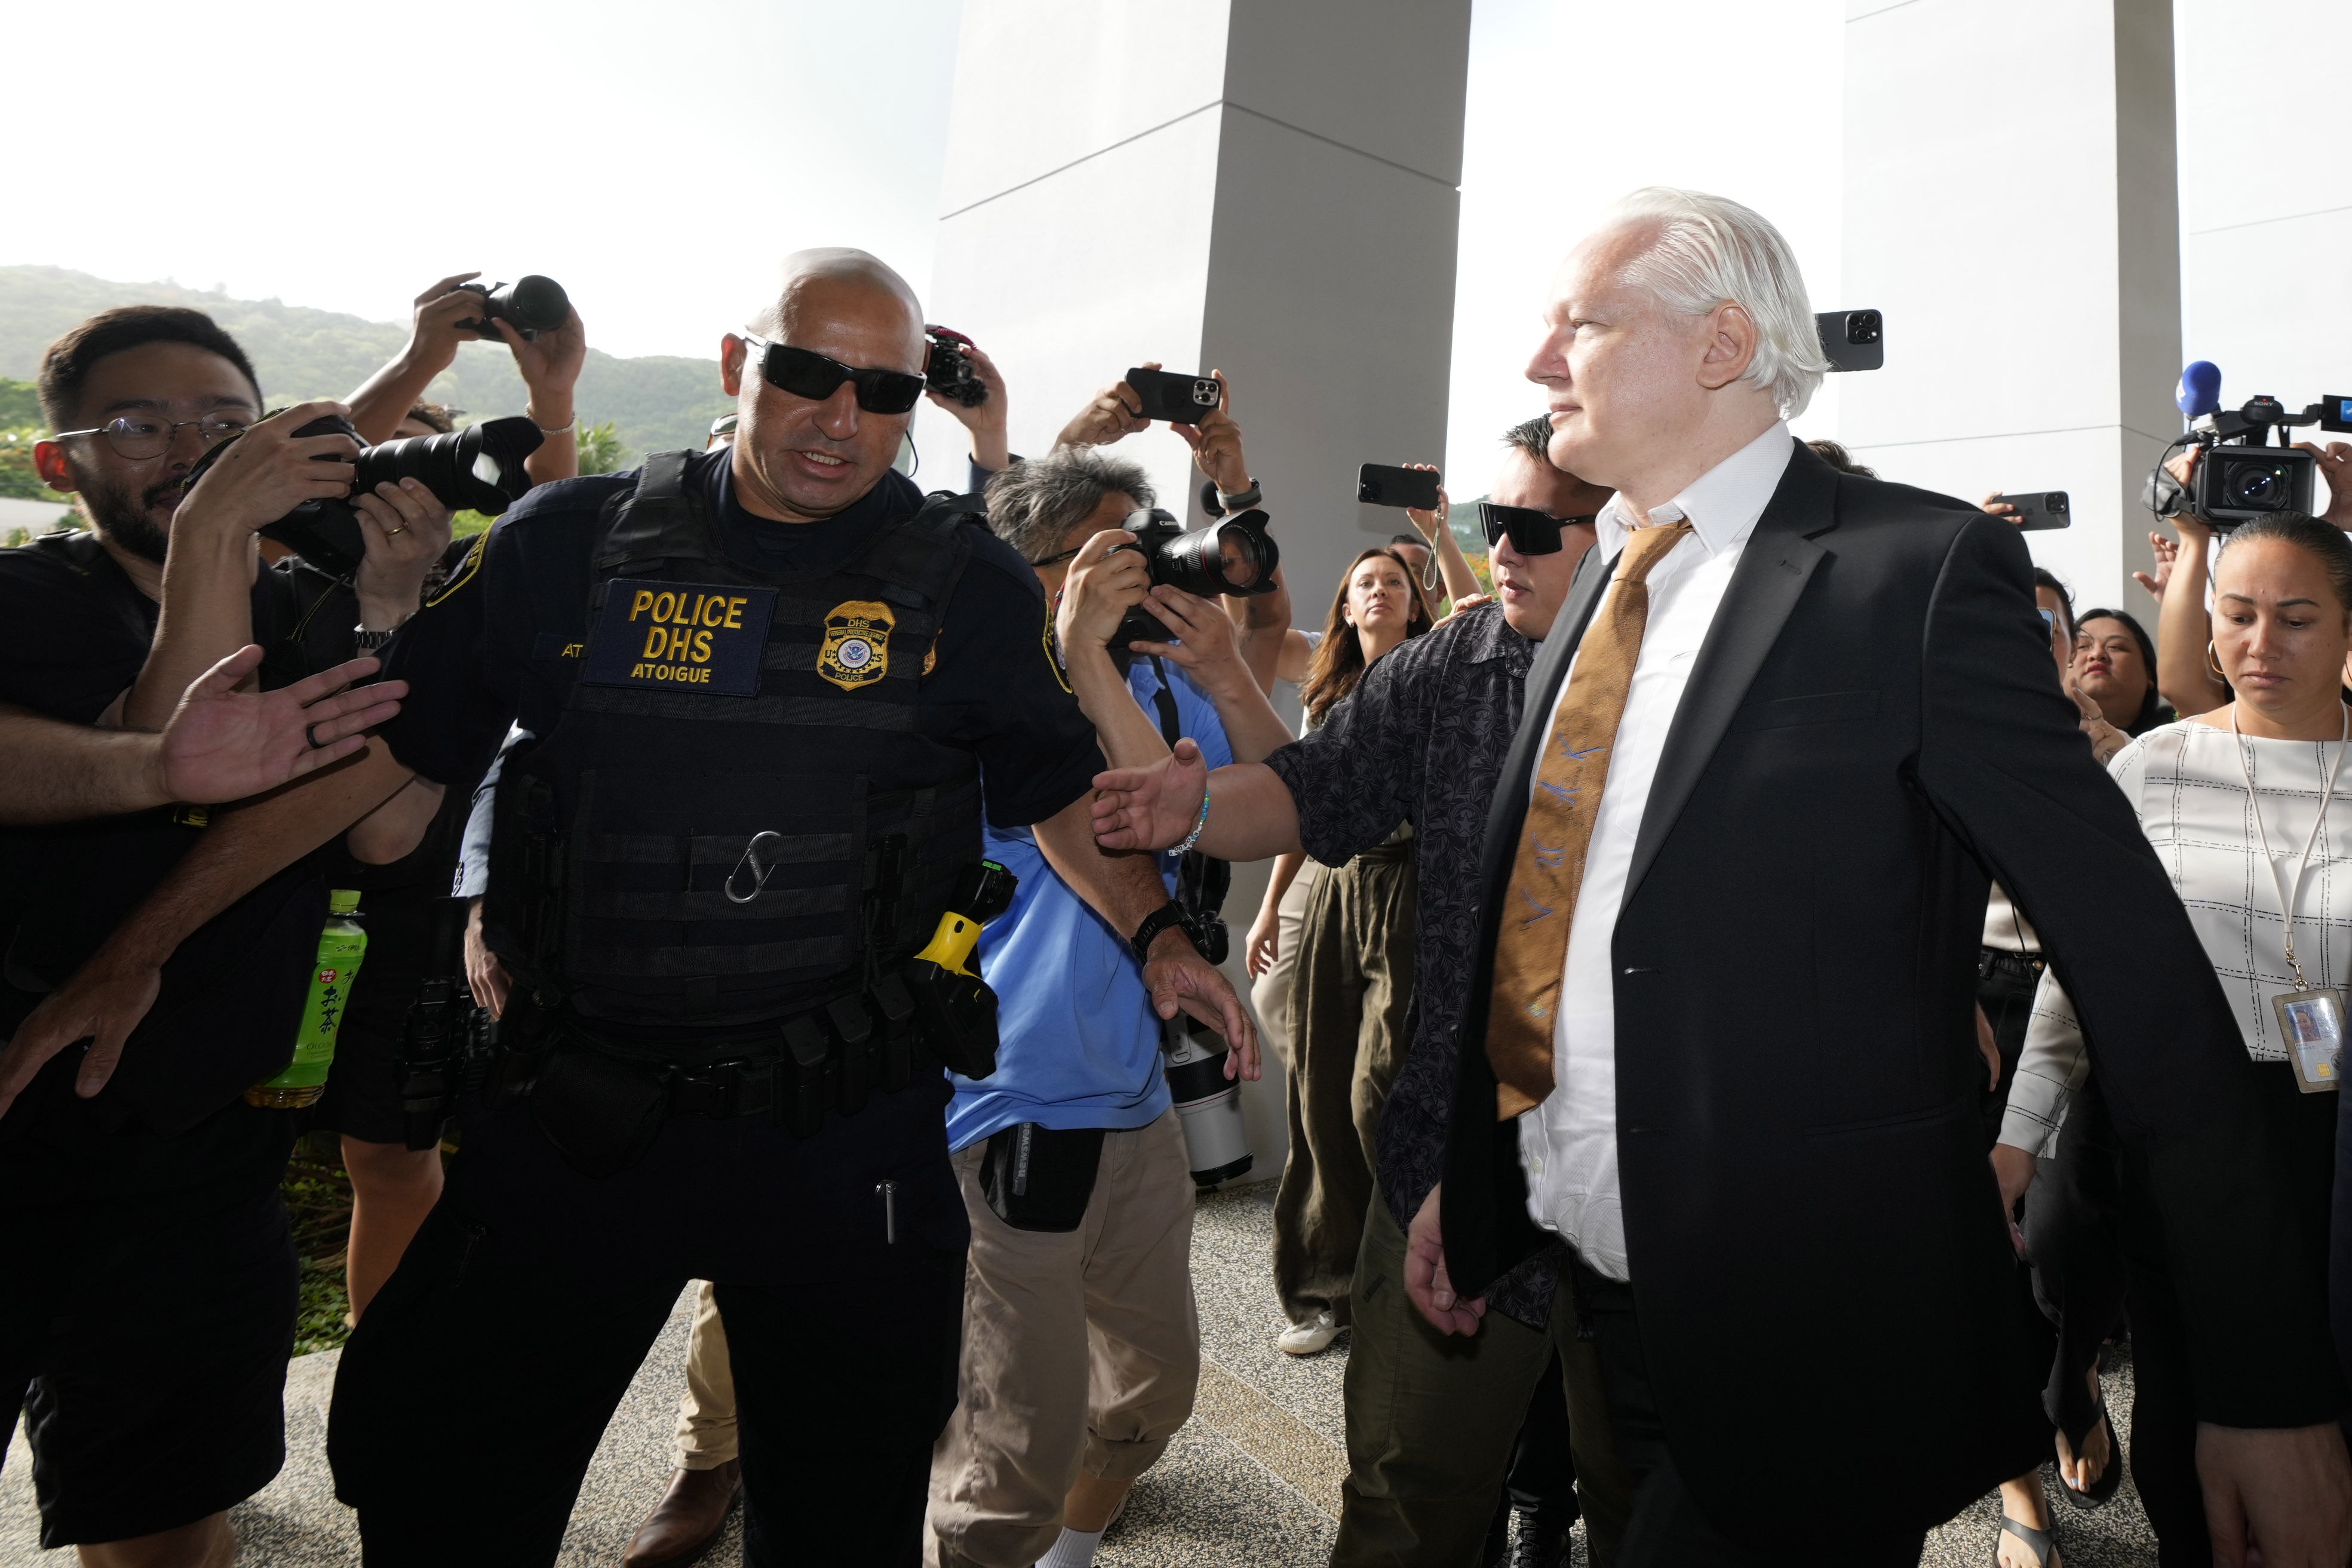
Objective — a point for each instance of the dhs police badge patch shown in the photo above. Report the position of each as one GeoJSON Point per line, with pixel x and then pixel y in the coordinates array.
{"type": "Point", "coordinates": [857, 649]}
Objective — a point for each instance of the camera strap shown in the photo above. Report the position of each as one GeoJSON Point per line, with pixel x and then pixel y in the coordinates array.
{"type": "Point", "coordinates": [1202, 881]}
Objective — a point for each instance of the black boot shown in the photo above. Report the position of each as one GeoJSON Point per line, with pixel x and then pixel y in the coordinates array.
{"type": "Point", "coordinates": [1542, 1539]}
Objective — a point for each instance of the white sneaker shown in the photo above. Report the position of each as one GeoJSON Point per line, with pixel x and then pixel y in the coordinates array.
{"type": "Point", "coordinates": [1306, 1338]}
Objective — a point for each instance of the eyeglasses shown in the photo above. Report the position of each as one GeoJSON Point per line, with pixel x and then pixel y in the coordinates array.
{"type": "Point", "coordinates": [136, 437]}
{"type": "Point", "coordinates": [2049, 619]}
{"type": "Point", "coordinates": [1058, 560]}
{"type": "Point", "coordinates": [1532, 531]}
{"type": "Point", "coordinates": [806, 373]}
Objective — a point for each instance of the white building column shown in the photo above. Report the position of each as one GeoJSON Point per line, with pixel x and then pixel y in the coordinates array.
{"type": "Point", "coordinates": [1266, 187]}
{"type": "Point", "coordinates": [2012, 203]}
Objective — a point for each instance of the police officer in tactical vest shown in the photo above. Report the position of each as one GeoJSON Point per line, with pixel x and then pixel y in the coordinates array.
{"type": "Point", "coordinates": [766, 683]}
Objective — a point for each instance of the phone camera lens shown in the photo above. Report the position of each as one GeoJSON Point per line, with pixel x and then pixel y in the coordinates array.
{"type": "Point", "coordinates": [1862, 327]}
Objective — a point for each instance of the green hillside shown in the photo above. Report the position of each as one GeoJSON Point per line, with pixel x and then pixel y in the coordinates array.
{"type": "Point", "coordinates": [657, 403]}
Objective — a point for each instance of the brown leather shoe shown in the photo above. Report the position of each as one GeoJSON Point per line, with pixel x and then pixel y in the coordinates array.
{"type": "Point", "coordinates": [688, 1518]}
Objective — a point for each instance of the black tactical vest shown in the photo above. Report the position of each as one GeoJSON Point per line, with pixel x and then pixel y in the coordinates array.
{"type": "Point", "coordinates": [737, 819]}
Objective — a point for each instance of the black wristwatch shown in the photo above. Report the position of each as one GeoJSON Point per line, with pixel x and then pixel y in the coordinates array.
{"type": "Point", "coordinates": [1169, 914]}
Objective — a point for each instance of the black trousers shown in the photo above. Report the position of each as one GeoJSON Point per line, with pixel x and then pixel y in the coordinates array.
{"type": "Point", "coordinates": [2072, 1222]}
{"type": "Point", "coordinates": [1541, 1478]}
{"type": "Point", "coordinates": [838, 1264]}
{"type": "Point", "coordinates": [2164, 1403]}
{"type": "Point", "coordinates": [1668, 1528]}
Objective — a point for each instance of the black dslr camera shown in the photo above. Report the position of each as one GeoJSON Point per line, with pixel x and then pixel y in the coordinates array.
{"type": "Point", "coordinates": [529, 305]}
{"type": "Point", "coordinates": [2241, 477]}
{"type": "Point", "coordinates": [1232, 555]}
{"type": "Point", "coordinates": [480, 468]}
{"type": "Point", "coordinates": [948, 369]}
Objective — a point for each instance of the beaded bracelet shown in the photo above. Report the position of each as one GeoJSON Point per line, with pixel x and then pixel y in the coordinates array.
{"type": "Point", "coordinates": [1198, 827]}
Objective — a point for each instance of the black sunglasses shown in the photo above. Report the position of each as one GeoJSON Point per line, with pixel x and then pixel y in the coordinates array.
{"type": "Point", "coordinates": [1532, 532]}
{"type": "Point", "coordinates": [806, 373]}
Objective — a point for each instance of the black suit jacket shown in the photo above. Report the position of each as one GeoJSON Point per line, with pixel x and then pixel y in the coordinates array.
{"type": "Point", "coordinates": [1818, 1255]}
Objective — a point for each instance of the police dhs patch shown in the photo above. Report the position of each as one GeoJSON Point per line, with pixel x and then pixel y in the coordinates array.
{"type": "Point", "coordinates": [857, 649]}
{"type": "Point", "coordinates": [703, 638]}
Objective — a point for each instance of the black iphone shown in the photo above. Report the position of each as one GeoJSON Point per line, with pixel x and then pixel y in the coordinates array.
{"type": "Point", "coordinates": [2037, 509]}
{"type": "Point", "coordinates": [1854, 339]}
{"type": "Point", "coordinates": [1382, 486]}
{"type": "Point", "coordinates": [1170, 395]}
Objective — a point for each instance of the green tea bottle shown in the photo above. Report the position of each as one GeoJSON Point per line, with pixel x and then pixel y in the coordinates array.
{"type": "Point", "coordinates": [342, 944]}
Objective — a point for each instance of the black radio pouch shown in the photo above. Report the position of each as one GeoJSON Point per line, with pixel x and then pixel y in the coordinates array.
{"type": "Point", "coordinates": [1036, 1178]}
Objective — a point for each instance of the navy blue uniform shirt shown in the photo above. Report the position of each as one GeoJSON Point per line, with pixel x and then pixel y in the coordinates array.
{"type": "Point", "coordinates": [503, 642]}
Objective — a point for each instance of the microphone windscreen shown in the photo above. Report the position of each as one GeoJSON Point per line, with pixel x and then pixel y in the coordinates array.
{"type": "Point", "coordinates": [2199, 393]}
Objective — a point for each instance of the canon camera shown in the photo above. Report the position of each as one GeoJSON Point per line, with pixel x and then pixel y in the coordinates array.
{"type": "Point", "coordinates": [1232, 555]}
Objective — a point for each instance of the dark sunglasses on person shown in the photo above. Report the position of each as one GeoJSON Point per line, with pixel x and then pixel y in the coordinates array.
{"type": "Point", "coordinates": [137, 437]}
{"type": "Point", "coordinates": [804, 372]}
{"type": "Point", "coordinates": [1532, 532]}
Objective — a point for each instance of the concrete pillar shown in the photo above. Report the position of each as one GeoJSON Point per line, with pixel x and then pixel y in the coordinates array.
{"type": "Point", "coordinates": [1266, 187]}
{"type": "Point", "coordinates": [2012, 203]}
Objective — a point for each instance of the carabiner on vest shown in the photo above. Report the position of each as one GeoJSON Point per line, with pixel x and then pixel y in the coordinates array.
{"type": "Point", "coordinates": [760, 872]}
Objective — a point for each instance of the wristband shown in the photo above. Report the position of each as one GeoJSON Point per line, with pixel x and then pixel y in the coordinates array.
{"type": "Point", "coordinates": [555, 429]}
{"type": "Point", "coordinates": [1170, 913]}
{"type": "Point", "coordinates": [1242, 500]}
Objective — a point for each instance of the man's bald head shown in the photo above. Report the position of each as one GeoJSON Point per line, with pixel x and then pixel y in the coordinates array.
{"type": "Point", "coordinates": [828, 283]}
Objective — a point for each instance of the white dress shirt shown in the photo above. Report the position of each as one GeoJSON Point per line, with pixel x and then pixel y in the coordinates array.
{"type": "Point", "coordinates": [1567, 1144]}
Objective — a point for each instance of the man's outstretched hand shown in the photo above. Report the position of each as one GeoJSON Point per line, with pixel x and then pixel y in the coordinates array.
{"type": "Point", "coordinates": [221, 744]}
{"type": "Point", "coordinates": [102, 1002]}
{"type": "Point", "coordinates": [1151, 808]}
{"type": "Point", "coordinates": [2277, 1499]}
{"type": "Point", "coordinates": [1425, 1280]}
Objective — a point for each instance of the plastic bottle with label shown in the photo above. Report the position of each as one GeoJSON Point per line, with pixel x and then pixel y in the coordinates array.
{"type": "Point", "coordinates": [342, 944]}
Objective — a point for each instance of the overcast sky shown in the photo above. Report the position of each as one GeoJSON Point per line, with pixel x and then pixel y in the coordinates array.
{"type": "Point", "coordinates": [657, 170]}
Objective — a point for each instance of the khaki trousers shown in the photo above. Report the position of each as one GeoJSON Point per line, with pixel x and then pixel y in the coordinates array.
{"type": "Point", "coordinates": [1347, 1039]}
{"type": "Point", "coordinates": [1081, 1351]}
{"type": "Point", "coordinates": [705, 1412]}
{"type": "Point", "coordinates": [1430, 1418]}
{"type": "Point", "coordinates": [1270, 992]}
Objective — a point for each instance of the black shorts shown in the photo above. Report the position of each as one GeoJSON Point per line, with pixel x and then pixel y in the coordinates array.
{"type": "Point", "coordinates": [146, 1345]}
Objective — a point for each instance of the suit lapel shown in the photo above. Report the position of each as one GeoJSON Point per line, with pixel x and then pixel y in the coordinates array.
{"type": "Point", "coordinates": [1764, 587]}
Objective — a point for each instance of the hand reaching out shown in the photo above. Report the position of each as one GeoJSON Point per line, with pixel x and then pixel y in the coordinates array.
{"type": "Point", "coordinates": [1151, 808]}
{"type": "Point", "coordinates": [2166, 552]}
{"type": "Point", "coordinates": [221, 744]}
{"type": "Point", "coordinates": [2334, 465]}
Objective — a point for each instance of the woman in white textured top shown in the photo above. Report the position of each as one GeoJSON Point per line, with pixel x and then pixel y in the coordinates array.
{"type": "Point", "coordinates": [2247, 810]}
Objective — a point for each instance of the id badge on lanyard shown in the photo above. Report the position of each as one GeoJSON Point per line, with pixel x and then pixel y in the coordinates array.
{"type": "Point", "coordinates": [2311, 1022]}
{"type": "Point", "coordinates": [2310, 1017]}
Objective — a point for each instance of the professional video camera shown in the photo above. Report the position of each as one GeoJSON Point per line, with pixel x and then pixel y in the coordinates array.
{"type": "Point", "coordinates": [480, 468]}
{"type": "Point", "coordinates": [531, 305]}
{"type": "Point", "coordinates": [947, 368]}
{"type": "Point", "coordinates": [2241, 476]}
{"type": "Point", "coordinates": [1232, 555]}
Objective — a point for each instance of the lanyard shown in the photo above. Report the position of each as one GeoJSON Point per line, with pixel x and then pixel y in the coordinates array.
{"type": "Point", "coordinates": [2254, 804]}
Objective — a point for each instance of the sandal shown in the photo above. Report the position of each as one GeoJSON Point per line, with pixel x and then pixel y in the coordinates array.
{"type": "Point", "coordinates": [2110, 1477]}
{"type": "Point", "coordinates": [2042, 1543]}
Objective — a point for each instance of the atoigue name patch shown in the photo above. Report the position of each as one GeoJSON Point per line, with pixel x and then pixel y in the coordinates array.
{"type": "Point", "coordinates": [680, 636]}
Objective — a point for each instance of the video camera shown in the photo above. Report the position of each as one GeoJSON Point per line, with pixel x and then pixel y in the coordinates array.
{"type": "Point", "coordinates": [479, 468]}
{"type": "Point", "coordinates": [1232, 555]}
{"type": "Point", "coordinates": [531, 305]}
{"type": "Point", "coordinates": [2241, 476]}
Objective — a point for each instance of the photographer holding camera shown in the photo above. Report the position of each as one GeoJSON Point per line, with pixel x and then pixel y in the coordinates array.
{"type": "Point", "coordinates": [1081, 1347]}
{"type": "Point", "coordinates": [457, 310]}
{"type": "Point", "coordinates": [147, 1424]}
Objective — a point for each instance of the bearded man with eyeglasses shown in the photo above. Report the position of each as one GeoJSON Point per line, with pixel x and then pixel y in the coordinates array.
{"type": "Point", "coordinates": [764, 683]}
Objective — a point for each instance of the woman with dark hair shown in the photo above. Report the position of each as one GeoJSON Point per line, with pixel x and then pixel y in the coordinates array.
{"type": "Point", "coordinates": [1348, 1033]}
{"type": "Point", "coordinates": [2115, 666]}
{"type": "Point", "coordinates": [2240, 807]}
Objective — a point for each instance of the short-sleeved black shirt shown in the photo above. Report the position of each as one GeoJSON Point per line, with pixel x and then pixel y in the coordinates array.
{"type": "Point", "coordinates": [500, 644]}
{"type": "Point", "coordinates": [74, 633]}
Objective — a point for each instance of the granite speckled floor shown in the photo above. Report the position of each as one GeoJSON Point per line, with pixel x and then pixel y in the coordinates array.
{"type": "Point", "coordinates": [1252, 1479]}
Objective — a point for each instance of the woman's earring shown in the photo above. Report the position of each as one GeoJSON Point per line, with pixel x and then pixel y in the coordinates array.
{"type": "Point", "coordinates": [2214, 665]}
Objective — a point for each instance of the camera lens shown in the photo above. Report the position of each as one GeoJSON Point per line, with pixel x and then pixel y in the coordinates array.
{"type": "Point", "coordinates": [2256, 487]}
{"type": "Point", "coordinates": [1239, 554]}
{"type": "Point", "coordinates": [534, 304]}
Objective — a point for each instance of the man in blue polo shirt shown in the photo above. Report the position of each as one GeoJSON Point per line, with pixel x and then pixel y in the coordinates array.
{"type": "Point", "coordinates": [1081, 1347]}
